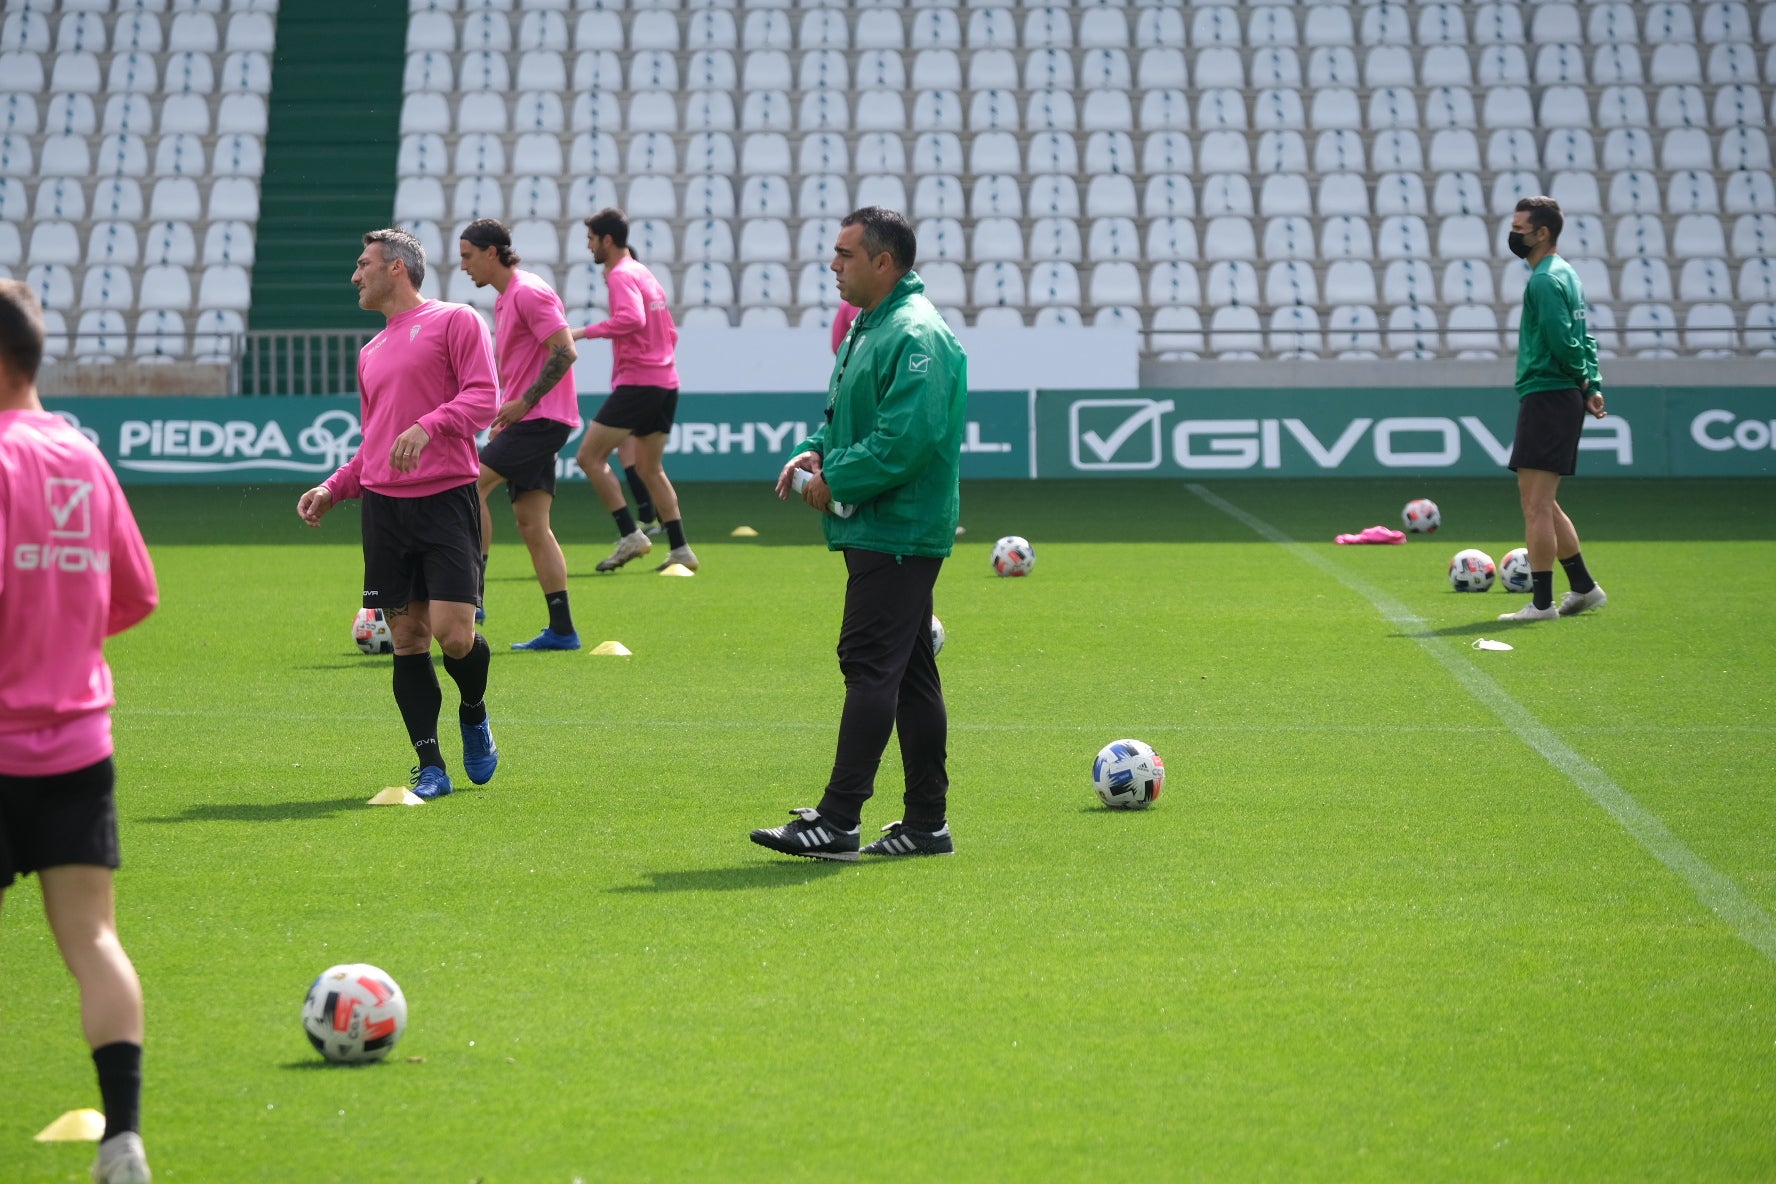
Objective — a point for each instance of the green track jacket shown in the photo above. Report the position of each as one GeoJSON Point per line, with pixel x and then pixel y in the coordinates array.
{"type": "Point", "coordinates": [1555, 349]}
{"type": "Point", "coordinates": [892, 441]}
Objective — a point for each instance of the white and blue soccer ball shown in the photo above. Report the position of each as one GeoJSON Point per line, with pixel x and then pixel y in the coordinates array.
{"type": "Point", "coordinates": [1471, 570]}
{"type": "Point", "coordinates": [354, 1014]}
{"type": "Point", "coordinates": [937, 636]}
{"type": "Point", "coordinates": [1013, 556]}
{"type": "Point", "coordinates": [1421, 516]}
{"type": "Point", "coordinates": [1513, 572]}
{"type": "Point", "coordinates": [1128, 775]}
{"type": "Point", "coordinates": [370, 630]}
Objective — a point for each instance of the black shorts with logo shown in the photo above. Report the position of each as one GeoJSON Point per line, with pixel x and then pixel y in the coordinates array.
{"type": "Point", "coordinates": [65, 818]}
{"type": "Point", "coordinates": [643, 410]}
{"type": "Point", "coordinates": [422, 548]}
{"type": "Point", "coordinates": [1548, 427]}
{"type": "Point", "coordinates": [524, 454]}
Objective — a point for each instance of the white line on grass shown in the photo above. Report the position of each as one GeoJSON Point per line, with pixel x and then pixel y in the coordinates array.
{"type": "Point", "coordinates": [1720, 894]}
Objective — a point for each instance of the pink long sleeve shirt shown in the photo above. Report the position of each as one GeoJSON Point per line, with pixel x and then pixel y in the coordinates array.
{"type": "Point", "coordinates": [73, 571]}
{"type": "Point", "coordinates": [640, 328]}
{"type": "Point", "coordinates": [432, 365]}
{"type": "Point", "coordinates": [525, 316]}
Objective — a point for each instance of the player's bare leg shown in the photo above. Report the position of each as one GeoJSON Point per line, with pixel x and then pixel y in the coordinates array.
{"type": "Point", "coordinates": [1535, 491]}
{"type": "Point", "coordinates": [78, 901]}
{"type": "Point", "coordinates": [532, 512]}
{"type": "Point", "coordinates": [485, 484]}
{"type": "Point", "coordinates": [595, 449]}
{"type": "Point", "coordinates": [650, 459]}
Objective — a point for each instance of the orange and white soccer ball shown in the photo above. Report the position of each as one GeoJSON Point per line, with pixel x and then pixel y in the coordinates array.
{"type": "Point", "coordinates": [370, 630]}
{"type": "Point", "coordinates": [354, 1013]}
{"type": "Point", "coordinates": [1421, 516]}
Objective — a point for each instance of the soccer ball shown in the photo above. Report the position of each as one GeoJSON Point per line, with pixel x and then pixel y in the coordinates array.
{"type": "Point", "coordinates": [1421, 516]}
{"type": "Point", "coordinates": [354, 1014]}
{"type": "Point", "coordinates": [1514, 571]}
{"type": "Point", "coordinates": [1128, 775]}
{"type": "Point", "coordinates": [1013, 556]}
{"type": "Point", "coordinates": [1471, 571]}
{"type": "Point", "coordinates": [937, 637]}
{"type": "Point", "coordinates": [370, 629]}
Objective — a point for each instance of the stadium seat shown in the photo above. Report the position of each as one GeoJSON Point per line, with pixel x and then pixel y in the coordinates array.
{"type": "Point", "coordinates": [1177, 330]}
{"type": "Point", "coordinates": [1705, 280]}
{"type": "Point", "coordinates": [1232, 282]}
{"type": "Point", "coordinates": [1341, 194]}
{"type": "Point", "coordinates": [1346, 238]}
{"type": "Point", "coordinates": [1295, 333]}
{"type": "Point", "coordinates": [1171, 238]}
{"type": "Point", "coordinates": [1054, 284]}
{"type": "Point", "coordinates": [1343, 151]}
{"type": "Point", "coordinates": [942, 239]}
{"type": "Point", "coordinates": [1290, 282]}
{"type": "Point", "coordinates": [1229, 237]}
{"type": "Point", "coordinates": [113, 243]}
{"type": "Point", "coordinates": [1173, 283]}
{"type": "Point", "coordinates": [1757, 281]}
{"type": "Point", "coordinates": [101, 337]}
{"type": "Point", "coordinates": [1750, 192]}
{"type": "Point", "coordinates": [165, 286]}
{"type": "Point", "coordinates": [1289, 237]}
{"type": "Point", "coordinates": [1235, 329]}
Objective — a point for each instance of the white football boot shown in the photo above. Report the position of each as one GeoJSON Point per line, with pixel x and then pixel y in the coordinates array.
{"type": "Point", "coordinates": [1574, 603]}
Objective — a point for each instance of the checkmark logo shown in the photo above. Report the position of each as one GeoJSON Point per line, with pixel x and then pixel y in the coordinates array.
{"type": "Point", "coordinates": [1114, 424]}
{"type": "Point", "coordinates": [919, 363]}
{"type": "Point", "coordinates": [70, 507]}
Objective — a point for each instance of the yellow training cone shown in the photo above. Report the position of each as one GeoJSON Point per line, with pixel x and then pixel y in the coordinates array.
{"type": "Point", "coordinates": [676, 569]}
{"type": "Point", "coordinates": [76, 1126]}
{"type": "Point", "coordinates": [612, 649]}
{"type": "Point", "coordinates": [743, 532]}
{"type": "Point", "coordinates": [397, 795]}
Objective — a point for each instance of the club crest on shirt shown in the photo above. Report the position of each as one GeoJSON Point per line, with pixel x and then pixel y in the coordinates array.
{"type": "Point", "coordinates": [413, 332]}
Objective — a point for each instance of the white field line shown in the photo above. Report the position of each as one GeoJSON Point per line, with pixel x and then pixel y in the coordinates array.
{"type": "Point", "coordinates": [1716, 891]}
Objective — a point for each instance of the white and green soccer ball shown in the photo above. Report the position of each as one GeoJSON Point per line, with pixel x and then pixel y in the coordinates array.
{"type": "Point", "coordinates": [1513, 572]}
{"type": "Point", "coordinates": [354, 1013]}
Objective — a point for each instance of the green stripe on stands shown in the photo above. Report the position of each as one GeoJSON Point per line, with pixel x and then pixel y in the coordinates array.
{"type": "Point", "coordinates": [329, 158]}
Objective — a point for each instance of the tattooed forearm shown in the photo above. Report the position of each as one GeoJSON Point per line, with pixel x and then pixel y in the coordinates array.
{"type": "Point", "coordinates": [560, 360]}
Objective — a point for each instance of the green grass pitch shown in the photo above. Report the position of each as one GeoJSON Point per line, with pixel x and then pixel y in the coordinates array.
{"type": "Point", "coordinates": [1368, 933]}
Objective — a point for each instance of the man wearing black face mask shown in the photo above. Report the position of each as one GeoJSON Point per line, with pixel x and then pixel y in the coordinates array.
{"type": "Point", "coordinates": [1557, 383]}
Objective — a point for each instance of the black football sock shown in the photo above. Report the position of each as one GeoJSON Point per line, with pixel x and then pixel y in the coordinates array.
{"type": "Point", "coordinates": [644, 501]}
{"type": "Point", "coordinates": [418, 697]}
{"type": "Point", "coordinates": [675, 532]}
{"type": "Point", "coordinates": [625, 522]}
{"type": "Point", "coordinates": [1542, 583]}
{"type": "Point", "coordinates": [560, 616]}
{"type": "Point", "coordinates": [120, 1085]}
{"type": "Point", "coordinates": [1576, 573]}
{"type": "Point", "coordinates": [470, 673]}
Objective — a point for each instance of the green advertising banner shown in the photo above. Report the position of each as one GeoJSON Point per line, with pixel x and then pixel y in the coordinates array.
{"type": "Point", "coordinates": [1343, 432]}
{"type": "Point", "coordinates": [302, 440]}
{"type": "Point", "coordinates": [1649, 432]}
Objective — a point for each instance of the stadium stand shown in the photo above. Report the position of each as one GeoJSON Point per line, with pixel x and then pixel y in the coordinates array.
{"type": "Point", "coordinates": [132, 133]}
{"type": "Point", "coordinates": [1255, 180]}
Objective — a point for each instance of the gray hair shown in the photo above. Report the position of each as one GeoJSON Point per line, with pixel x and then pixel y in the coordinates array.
{"type": "Point", "coordinates": [398, 244]}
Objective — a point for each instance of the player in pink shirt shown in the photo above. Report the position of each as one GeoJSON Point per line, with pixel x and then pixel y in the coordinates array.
{"type": "Point", "coordinates": [541, 409]}
{"type": "Point", "coordinates": [426, 386]}
{"type": "Point", "coordinates": [73, 571]}
{"type": "Point", "coordinates": [842, 323]}
{"type": "Point", "coordinates": [644, 392]}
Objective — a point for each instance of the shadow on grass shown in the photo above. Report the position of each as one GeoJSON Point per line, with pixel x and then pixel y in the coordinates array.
{"type": "Point", "coordinates": [732, 879]}
{"type": "Point", "coordinates": [262, 811]}
{"type": "Point", "coordinates": [339, 1066]}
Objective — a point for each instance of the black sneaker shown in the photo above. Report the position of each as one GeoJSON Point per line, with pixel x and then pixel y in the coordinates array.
{"type": "Point", "coordinates": [904, 840]}
{"type": "Point", "coordinates": [809, 835]}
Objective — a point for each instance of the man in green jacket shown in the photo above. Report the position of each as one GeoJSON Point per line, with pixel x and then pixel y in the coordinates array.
{"type": "Point", "coordinates": [883, 470]}
{"type": "Point", "coordinates": [1557, 382]}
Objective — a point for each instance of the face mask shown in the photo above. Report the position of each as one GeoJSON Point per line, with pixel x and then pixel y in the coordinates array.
{"type": "Point", "coordinates": [1518, 247]}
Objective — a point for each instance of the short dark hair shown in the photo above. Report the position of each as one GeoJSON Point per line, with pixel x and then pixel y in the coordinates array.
{"type": "Point", "coordinates": [1543, 212]}
{"type": "Point", "coordinates": [398, 244]}
{"type": "Point", "coordinates": [612, 223]}
{"type": "Point", "coordinates": [491, 232]}
{"type": "Point", "coordinates": [21, 330]}
{"type": "Point", "coordinates": [885, 230]}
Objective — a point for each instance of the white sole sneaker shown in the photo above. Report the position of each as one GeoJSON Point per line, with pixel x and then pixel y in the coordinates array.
{"type": "Point", "coordinates": [1574, 603]}
{"type": "Point", "coordinates": [630, 546]}
{"type": "Point", "coordinates": [1530, 612]}
{"type": "Point", "coordinates": [683, 556]}
{"type": "Point", "coordinates": [122, 1160]}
